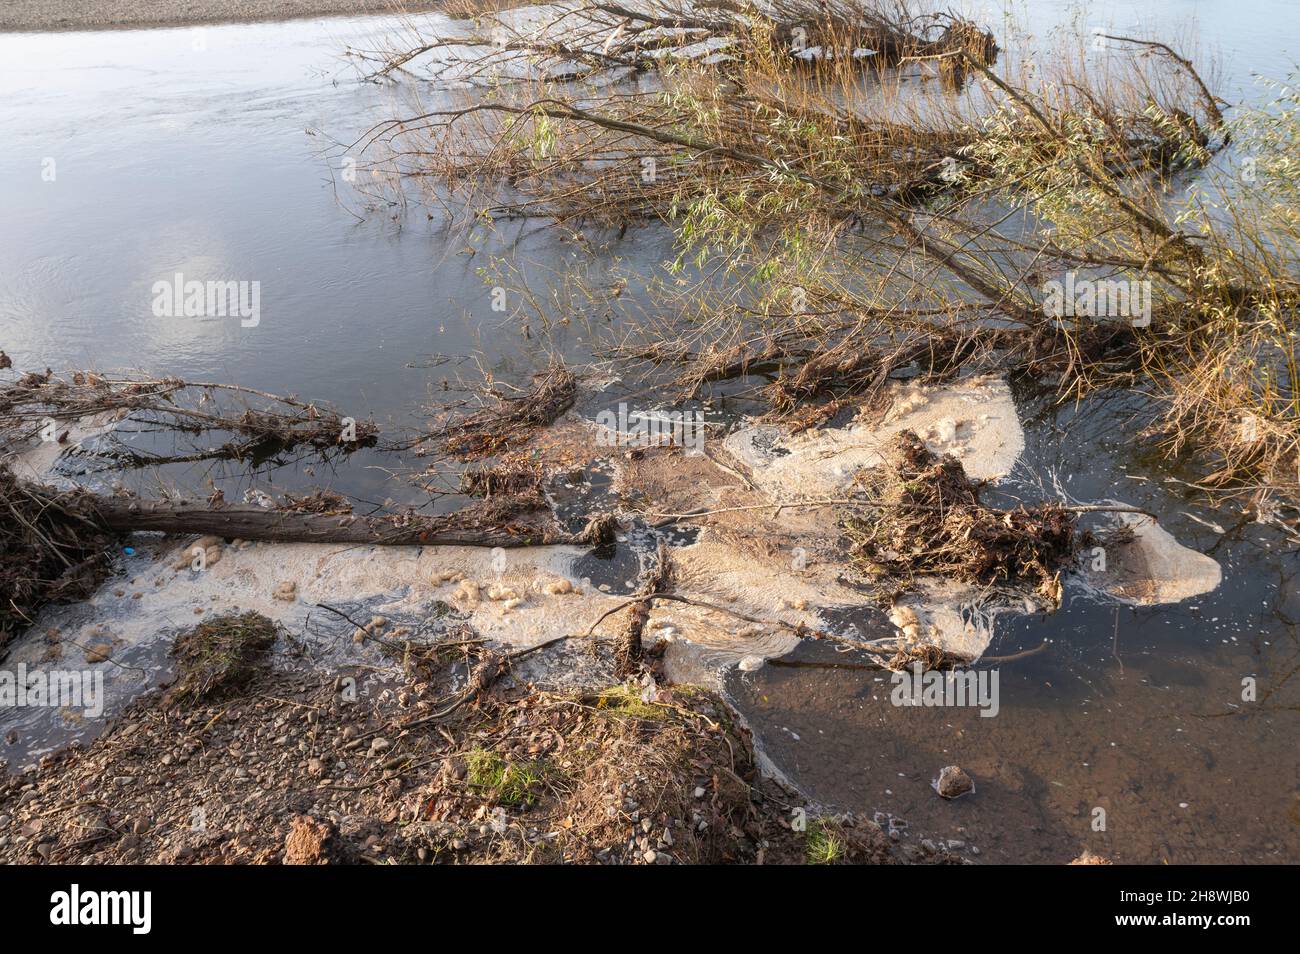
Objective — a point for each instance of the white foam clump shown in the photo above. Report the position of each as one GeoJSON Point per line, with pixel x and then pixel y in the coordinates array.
{"type": "Point", "coordinates": [974, 420]}
{"type": "Point", "coordinates": [1151, 568]}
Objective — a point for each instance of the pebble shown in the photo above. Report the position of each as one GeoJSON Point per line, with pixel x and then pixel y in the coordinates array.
{"type": "Point", "coordinates": [953, 782]}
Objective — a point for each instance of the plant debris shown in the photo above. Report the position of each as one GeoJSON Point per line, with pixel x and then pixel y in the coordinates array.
{"type": "Point", "coordinates": [51, 549]}
{"type": "Point", "coordinates": [259, 423]}
{"type": "Point", "coordinates": [510, 420]}
{"type": "Point", "coordinates": [218, 655]}
{"type": "Point", "coordinates": [934, 524]}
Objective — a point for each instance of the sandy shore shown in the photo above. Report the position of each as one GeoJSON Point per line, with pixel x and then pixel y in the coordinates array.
{"type": "Point", "coordinates": [114, 14]}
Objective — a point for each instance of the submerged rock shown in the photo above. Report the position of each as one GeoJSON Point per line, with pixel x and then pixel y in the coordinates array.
{"type": "Point", "coordinates": [953, 782]}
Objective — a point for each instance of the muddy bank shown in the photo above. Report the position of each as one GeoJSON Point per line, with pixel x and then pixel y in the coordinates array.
{"type": "Point", "coordinates": [22, 15]}
{"type": "Point", "coordinates": [314, 769]}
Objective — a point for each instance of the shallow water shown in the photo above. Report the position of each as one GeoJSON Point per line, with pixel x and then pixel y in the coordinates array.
{"type": "Point", "coordinates": [169, 157]}
{"type": "Point", "coordinates": [1138, 711]}
{"type": "Point", "coordinates": [219, 163]}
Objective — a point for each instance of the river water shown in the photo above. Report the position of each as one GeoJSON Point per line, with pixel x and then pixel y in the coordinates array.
{"type": "Point", "coordinates": [134, 155]}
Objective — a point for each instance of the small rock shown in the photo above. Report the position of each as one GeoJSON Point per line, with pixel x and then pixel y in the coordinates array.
{"type": "Point", "coordinates": [307, 841]}
{"type": "Point", "coordinates": [953, 782]}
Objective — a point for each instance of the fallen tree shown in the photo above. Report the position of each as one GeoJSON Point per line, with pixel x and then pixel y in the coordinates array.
{"type": "Point", "coordinates": [57, 545]}
{"type": "Point", "coordinates": [581, 40]}
{"type": "Point", "coordinates": [132, 410]}
{"type": "Point", "coordinates": [829, 226]}
{"type": "Point", "coordinates": [492, 524]}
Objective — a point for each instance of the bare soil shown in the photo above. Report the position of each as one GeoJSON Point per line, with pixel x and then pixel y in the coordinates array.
{"type": "Point", "coordinates": [285, 769]}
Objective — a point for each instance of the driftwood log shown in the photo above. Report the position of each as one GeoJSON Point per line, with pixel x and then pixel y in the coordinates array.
{"type": "Point", "coordinates": [56, 545]}
{"type": "Point", "coordinates": [250, 522]}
